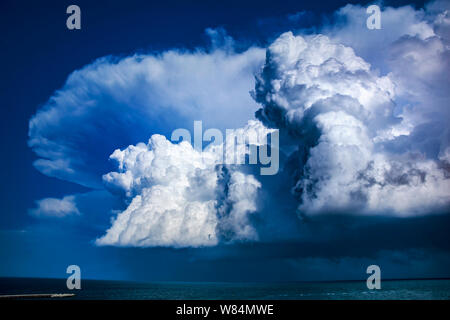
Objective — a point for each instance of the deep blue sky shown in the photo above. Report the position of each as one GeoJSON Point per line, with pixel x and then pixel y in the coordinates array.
{"type": "Point", "coordinates": [38, 53]}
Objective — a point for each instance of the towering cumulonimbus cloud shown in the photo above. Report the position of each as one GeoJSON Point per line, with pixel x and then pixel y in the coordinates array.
{"type": "Point", "coordinates": [181, 196]}
{"type": "Point", "coordinates": [362, 115]}
{"type": "Point", "coordinates": [343, 116]}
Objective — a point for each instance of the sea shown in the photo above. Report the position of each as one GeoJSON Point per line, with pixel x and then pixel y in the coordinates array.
{"type": "Point", "coordinates": [437, 289]}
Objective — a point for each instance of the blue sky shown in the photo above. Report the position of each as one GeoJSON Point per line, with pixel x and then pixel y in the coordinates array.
{"type": "Point", "coordinates": [294, 243]}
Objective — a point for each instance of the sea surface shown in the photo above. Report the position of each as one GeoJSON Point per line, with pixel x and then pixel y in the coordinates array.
{"type": "Point", "coordinates": [100, 289]}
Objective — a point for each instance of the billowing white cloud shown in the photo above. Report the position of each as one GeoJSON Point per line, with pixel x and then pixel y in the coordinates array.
{"type": "Point", "coordinates": [180, 196]}
{"type": "Point", "coordinates": [55, 208]}
{"type": "Point", "coordinates": [363, 118]}
{"type": "Point", "coordinates": [343, 116]}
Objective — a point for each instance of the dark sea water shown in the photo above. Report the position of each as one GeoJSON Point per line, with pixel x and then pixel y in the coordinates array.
{"type": "Point", "coordinates": [96, 289]}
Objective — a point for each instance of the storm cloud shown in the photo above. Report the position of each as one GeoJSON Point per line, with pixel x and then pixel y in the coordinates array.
{"type": "Point", "coordinates": [362, 115]}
